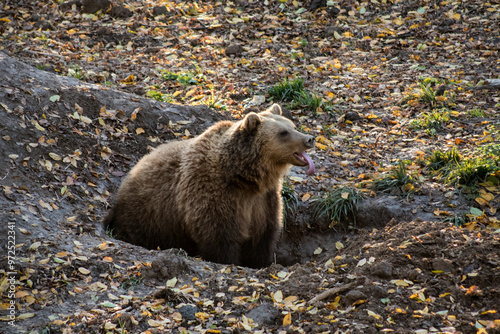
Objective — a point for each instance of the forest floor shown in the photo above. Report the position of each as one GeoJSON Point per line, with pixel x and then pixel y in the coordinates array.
{"type": "Point", "coordinates": [402, 97]}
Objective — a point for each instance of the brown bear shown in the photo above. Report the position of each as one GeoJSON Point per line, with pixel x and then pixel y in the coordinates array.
{"type": "Point", "coordinates": [217, 195]}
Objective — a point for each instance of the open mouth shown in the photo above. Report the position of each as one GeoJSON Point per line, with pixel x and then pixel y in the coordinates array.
{"type": "Point", "coordinates": [306, 160]}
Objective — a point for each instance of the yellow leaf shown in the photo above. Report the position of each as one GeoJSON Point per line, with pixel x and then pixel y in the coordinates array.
{"type": "Point", "coordinates": [373, 314]}
{"type": "Point", "coordinates": [487, 196]}
{"type": "Point", "coordinates": [192, 91]}
{"type": "Point", "coordinates": [25, 316]}
{"type": "Point", "coordinates": [339, 245]}
{"type": "Point", "coordinates": [202, 315]}
{"type": "Point", "coordinates": [30, 299]}
{"type": "Point", "coordinates": [408, 187]}
{"type": "Point", "coordinates": [398, 21]}
{"type": "Point", "coordinates": [21, 294]}
{"type": "Point", "coordinates": [321, 146]}
{"type": "Point", "coordinates": [108, 259]}
{"type": "Point", "coordinates": [400, 282]}
{"type": "Point", "coordinates": [176, 316]}
{"type": "Point", "coordinates": [54, 156]}
{"type": "Point", "coordinates": [456, 16]}
{"type": "Point", "coordinates": [61, 254]}
{"type": "Point", "coordinates": [129, 79]}
{"type": "Point", "coordinates": [103, 246]}
{"type": "Point", "coordinates": [278, 296]}
{"type": "Point", "coordinates": [287, 320]}
{"type": "Point", "coordinates": [84, 271]}
{"type": "Point", "coordinates": [85, 119]}
{"type": "Point", "coordinates": [35, 245]}
{"type": "Point", "coordinates": [4, 19]}
{"type": "Point", "coordinates": [38, 126]}
{"type": "Point", "coordinates": [345, 195]}
{"type": "Point", "coordinates": [290, 300]}
{"type": "Point", "coordinates": [481, 201]}
{"type": "Point", "coordinates": [139, 131]}
{"type": "Point", "coordinates": [306, 197]}
{"type": "Point", "coordinates": [177, 93]}
{"type": "Point", "coordinates": [109, 326]}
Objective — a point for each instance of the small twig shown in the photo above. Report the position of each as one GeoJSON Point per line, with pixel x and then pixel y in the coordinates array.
{"type": "Point", "coordinates": [336, 290]}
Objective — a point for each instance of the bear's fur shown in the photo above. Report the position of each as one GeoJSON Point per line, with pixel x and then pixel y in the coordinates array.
{"type": "Point", "coordinates": [217, 195]}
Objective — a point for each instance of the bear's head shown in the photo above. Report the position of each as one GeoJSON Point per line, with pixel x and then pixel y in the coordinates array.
{"type": "Point", "coordinates": [278, 138]}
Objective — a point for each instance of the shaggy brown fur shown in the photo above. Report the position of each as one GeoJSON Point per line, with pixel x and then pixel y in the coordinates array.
{"type": "Point", "coordinates": [217, 195]}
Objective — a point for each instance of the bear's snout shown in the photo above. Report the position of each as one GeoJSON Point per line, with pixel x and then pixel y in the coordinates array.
{"type": "Point", "coordinates": [309, 141]}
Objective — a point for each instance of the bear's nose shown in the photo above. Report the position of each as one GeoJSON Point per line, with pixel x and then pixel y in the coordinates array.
{"type": "Point", "coordinates": [309, 141]}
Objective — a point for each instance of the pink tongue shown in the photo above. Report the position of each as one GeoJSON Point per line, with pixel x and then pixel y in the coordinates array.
{"type": "Point", "coordinates": [307, 158]}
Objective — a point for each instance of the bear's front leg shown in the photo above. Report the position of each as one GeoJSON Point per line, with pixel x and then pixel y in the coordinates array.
{"type": "Point", "coordinates": [259, 250]}
{"type": "Point", "coordinates": [218, 240]}
{"type": "Point", "coordinates": [222, 250]}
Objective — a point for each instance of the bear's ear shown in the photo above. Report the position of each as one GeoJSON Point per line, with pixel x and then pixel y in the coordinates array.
{"type": "Point", "coordinates": [251, 121]}
{"type": "Point", "coordinates": [275, 109]}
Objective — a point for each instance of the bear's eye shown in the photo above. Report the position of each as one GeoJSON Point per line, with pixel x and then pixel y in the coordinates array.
{"type": "Point", "coordinates": [284, 133]}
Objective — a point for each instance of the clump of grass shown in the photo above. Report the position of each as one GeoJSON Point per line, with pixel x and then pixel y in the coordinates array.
{"type": "Point", "coordinates": [339, 204]}
{"type": "Point", "coordinates": [476, 112]}
{"type": "Point", "coordinates": [293, 91]}
{"type": "Point", "coordinates": [185, 78]}
{"type": "Point", "coordinates": [159, 96]}
{"type": "Point", "coordinates": [399, 180]}
{"type": "Point", "coordinates": [287, 90]}
{"type": "Point", "coordinates": [76, 72]}
{"type": "Point", "coordinates": [439, 159]}
{"type": "Point", "coordinates": [110, 232]}
{"type": "Point", "coordinates": [433, 120]}
{"type": "Point", "coordinates": [131, 282]}
{"type": "Point", "coordinates": [289, 197]}
{"type": "Point", "coordinates": [310, 102]}
{"type": "Point", "coordinates": [466, 171]}
{"type": "Point", "coordinates": [215, 101]}
{"type": "Point", "coordinates": [458, 220]}
{"type": "Point", "coordinates": [427, 93]}
{"type": "Point", "coordinates": [471, 171]}
{"type": "Point", "coordinates": [492, 151]}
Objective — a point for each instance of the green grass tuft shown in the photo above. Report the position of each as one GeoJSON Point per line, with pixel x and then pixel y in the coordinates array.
{"type": "Point", "coordinates": [287, 90]}
{"type": "Point", "coordinates": [294, 93]}
{"type": "Point", "coordinates": [289, 197]}
{"type": "Point", "coordinates": [433, 120]}
{"type": "Point", "coordinates": [439, 159]}
{"type": "Point", "coordinates": [339, 204]}
{"type": "Point", "coordinates": [399, 180]}
{"type": "Point", "coordinates": [185, 78]}
{"type": "Point", "coordinates": [476, 112]}
{"type": "Point", "coordinates": [154, 94]}
{"type": "Point", "coordinates": [471, 171]}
